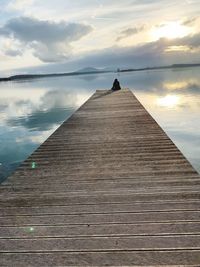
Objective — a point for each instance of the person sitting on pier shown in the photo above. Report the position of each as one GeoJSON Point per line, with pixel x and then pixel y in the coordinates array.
{"type": "Point", "coordinates": [116, 85]}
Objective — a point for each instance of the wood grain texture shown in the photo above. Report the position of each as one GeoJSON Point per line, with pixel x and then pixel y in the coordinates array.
{"type": "Point", "coordinates": [109, 189]}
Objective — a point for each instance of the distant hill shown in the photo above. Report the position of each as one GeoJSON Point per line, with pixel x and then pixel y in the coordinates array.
{"type": "Point", "coordinates": [37, 76]}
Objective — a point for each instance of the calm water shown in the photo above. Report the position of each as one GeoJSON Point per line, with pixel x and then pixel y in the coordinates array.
{"type": "Point", "coordinates": [31, 111]}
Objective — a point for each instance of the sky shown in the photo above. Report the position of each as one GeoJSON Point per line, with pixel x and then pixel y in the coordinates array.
{"type": "Point", "coordinates": [57, 36]}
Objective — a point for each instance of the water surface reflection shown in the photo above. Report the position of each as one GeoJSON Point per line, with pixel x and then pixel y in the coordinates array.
{"type": "Point", "coordinates": [30, 111]}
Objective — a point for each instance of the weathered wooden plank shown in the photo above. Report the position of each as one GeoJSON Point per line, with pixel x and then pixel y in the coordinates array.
{"type": "Point", "coordinates": [179, 258]}
{"type": "Point", "coordinates": [100, 187]}
{"type": "Point", "coordinates": [90, 198]}
{"type": "Point", "coordinates": [102, 208]}
{"type": "Point", "coordinates": [101, 243]}
{"type": "Point", "coordinates": [142, 217]}
{"type": "Point", "coordinates": [104, 184]}
{"type": "Point", "coordinates": [104, 230]}
{"type": "Point", "coordinates": [81, 178]}
{"type": "Point", "coordinates": [114, 189]}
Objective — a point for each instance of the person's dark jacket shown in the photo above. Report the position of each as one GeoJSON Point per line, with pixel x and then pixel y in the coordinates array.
{"type": "Point", "coordinates": [116, 85]}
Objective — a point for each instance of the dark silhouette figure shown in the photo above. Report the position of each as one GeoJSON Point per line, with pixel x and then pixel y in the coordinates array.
{"type": "Point", "coordinates": [116, 85]}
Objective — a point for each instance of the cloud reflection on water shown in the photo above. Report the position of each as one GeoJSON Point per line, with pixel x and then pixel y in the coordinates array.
{"type": "Point", "coordinates": [29, 114]}
{"type": "Point", "coordinates": [175, 105]}
{"type": "Point", "coordinates": [31, 111]}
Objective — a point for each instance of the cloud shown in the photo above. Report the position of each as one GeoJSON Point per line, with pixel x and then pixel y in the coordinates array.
{"type": "Point", "coordinates": [135, 56]}
{"type": "Point", "coordinates": [19, 4]}
{"type": "Point", "coordinates": [2, 107]}
{"type": "Point", "coordinates": [13, 53]}
{"type": "Point", "coordinates": [147, 2]}
{"type": "Point", "coordinates": [193, 41]}
{"type": "Point", "coordinates": [155, 53]}
{"type": "Point", "coordinates": [189, 22]}
{"type": "Point", "coordinates": [130, 31]}
{"type": "Point", "coordinates": [49, 41]}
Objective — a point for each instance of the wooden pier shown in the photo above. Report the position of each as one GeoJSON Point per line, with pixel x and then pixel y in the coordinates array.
{"type": "Point", "coordinates": [107, 188]}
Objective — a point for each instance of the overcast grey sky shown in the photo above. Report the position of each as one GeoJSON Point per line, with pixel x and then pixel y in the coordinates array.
{"type": "Point", "coordinates": [64, 35]}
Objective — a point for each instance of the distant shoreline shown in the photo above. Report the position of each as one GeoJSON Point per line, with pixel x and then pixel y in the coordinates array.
{"type": "Point", "coordinates": [174, 66]}
{"type": "Point", "coordinates": [38, 76]}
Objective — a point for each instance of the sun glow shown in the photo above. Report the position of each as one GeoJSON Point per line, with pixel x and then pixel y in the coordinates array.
{"type": "Point", "coordinates": [177, 48]}
{"type": "Point", "coordinates": [168, 101]}
{"type": "Point", "coordinates": [170, 30]}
